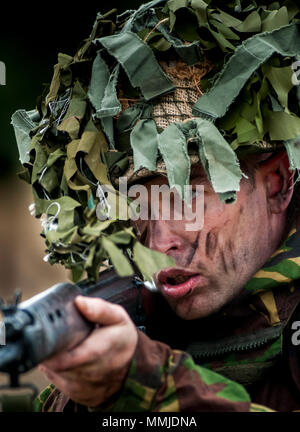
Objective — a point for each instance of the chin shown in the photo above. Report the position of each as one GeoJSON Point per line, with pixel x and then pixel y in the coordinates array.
{"type": "Point", "coordinates": [192, 309]}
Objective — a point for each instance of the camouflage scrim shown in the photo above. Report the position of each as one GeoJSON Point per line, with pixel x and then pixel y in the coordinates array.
{"type": "Point", "coordinates": [101, 116]}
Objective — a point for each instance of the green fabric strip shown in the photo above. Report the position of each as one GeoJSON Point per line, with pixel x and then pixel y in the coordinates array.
{"type": "Point", "coordinates": [99, 79]}
{"type": "Point", "coordinates": [129, 117]}
{"type": "Point", "coordinates": [102, 94]}
{"type": "Point", "coordinates": [75, 112]}
{"type": "Point", "coordinates": [190, 53]}
{"type": "Point", "coordinates": [216, 155]}
{"type": "Point", "coordinates": [139, 62]}
{"type": "Point", "coordinates": [282, 125]}
{"type": "Point", "coordinates": [173, 148]}
{"type": "Point", "coordinates": [150, 261]}
{"type": "Point", "coordinates": [23, 122]}
{"type": "Point", "coordinates": [118, 259]}
{"type": "Point", "coordinates": [220, 162]}
{"type": "Point", "coordinates": [110, 105]}
{"type": "Point", "coordinates": [140, 14]}
{"type": "Point", "coordinates": [281, 80]}
{"type": "Point", "coordinates": [144, 142]}
{"type": "Point", "coordinates": [293, 151]}
{"type": "Point", "coordinates": [244, 62]}
{"type": "Point", "coordinates": [102, 89]}
{"type": "Point", "coordinates": [61, 209]}
{"type": "Point", "coordinates": [108, 128]}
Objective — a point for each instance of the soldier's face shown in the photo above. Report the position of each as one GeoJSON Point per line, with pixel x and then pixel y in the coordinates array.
{"type": "Point", "coordinates": [213, 263]}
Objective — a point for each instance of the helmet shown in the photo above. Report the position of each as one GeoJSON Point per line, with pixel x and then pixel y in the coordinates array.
{"type": "Point", "coordinates": [155, 90]}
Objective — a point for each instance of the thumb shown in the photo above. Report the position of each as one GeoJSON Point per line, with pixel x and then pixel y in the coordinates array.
{"type": "Point", "coordinates": [100, 311]}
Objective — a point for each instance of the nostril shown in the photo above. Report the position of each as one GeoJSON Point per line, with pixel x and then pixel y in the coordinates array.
{"type": "Point", "coordinates": [161, 237]}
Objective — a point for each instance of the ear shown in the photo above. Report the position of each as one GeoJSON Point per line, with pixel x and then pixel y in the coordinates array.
{"type": "Point", "coordinates": [278, 180]}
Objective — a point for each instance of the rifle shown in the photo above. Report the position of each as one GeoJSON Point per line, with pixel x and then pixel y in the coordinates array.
{"type": "Point", "coordinates": [50, 322]}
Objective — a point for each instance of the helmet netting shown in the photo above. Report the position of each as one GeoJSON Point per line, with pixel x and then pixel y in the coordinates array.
{"type": "Point", "coordinates": [176, 106]}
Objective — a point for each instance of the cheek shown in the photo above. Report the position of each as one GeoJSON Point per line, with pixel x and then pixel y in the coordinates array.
{"type": "Point", "coordinates": [215, 212]}
{"type": "Point", "coordinates": [227, 219]}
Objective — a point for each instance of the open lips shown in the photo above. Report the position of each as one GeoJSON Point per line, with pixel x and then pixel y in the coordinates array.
{"type": "Point", "coordinates": [176, 282]}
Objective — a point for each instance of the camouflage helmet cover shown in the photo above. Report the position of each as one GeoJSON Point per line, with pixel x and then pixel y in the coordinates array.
{"type": "Point", "coordinates": [153, 91]}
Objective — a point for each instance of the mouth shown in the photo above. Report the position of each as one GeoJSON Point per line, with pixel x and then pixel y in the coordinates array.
{"type": "Point", "coordinates": [177, 283]}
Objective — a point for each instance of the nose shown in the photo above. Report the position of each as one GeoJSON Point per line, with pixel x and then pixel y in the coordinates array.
{"type": "Point", "coordinates": [162, 237]}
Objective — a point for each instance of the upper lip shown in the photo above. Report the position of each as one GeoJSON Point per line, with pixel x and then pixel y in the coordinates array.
{"type": "Point", "coordinates": [163, 275]}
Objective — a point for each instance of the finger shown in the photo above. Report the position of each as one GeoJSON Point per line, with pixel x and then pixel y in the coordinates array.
{"type": "Point", "coordinates": [67, 361]}
{"type": "Point", "coordinates": [96, 346]}
{"type": "Point", "coordinates": [100, 311]}
{"type": "Point", "coordinates": [59, 382]}
{"type": "Point", "coordinates": [106, 348]}
{"type": "Point", "coordinates": [77, 357]}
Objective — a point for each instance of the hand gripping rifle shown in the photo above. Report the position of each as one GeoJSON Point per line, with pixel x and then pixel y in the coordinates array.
{"type": "Point", "coordinates": [50, 322]}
